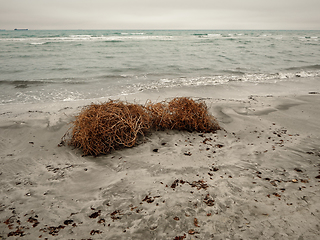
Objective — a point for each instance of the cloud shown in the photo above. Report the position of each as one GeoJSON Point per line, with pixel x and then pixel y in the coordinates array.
{"type": "Point", "coordinates": [165, 14]}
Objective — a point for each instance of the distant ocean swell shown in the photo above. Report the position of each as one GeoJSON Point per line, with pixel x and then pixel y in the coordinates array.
{"type": "Point", "coordinates": [37, 37]}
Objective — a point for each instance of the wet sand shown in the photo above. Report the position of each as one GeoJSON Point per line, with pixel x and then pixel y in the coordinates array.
{"type": "Point", "coordinates": [257, 178]}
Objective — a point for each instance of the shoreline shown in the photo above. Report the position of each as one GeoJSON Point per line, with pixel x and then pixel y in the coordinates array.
{"type": "Point", "coordinates": [231, 90]}
{"type": "Point", "coordinates": [258, 178]}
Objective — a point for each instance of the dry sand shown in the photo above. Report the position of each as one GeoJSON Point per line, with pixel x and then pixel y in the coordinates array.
{"type": "Point", "coordinates": [258, 178]}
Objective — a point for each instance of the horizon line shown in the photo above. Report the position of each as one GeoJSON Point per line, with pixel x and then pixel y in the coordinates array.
{"type": "Point", "coordinates": [164, 29]}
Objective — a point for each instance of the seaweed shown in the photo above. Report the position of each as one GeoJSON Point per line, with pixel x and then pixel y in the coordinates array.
{"type": "Point", "coordinates": [104, 127]}
{"type": "Point", "coordinates": [182, 114]}
{"type": "Point", "coordinates": [101, 128]}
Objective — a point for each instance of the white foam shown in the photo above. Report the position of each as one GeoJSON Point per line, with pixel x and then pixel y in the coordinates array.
{"type": "Point", "coordinates": [38, 43]}
{"type": "Point", "coordinates": [214, 35]}
{"type": "Point", "coordinates": [81, 36]}
{"type": "Point", "coordinates": [71, 38]}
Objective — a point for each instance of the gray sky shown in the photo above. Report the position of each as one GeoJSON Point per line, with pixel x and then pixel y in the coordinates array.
{"type": "Point", "coordinates": [160, 14]}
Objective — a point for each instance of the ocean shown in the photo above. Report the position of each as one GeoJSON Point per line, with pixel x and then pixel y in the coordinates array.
{"type": "Point", "coordinates": [38, 66]}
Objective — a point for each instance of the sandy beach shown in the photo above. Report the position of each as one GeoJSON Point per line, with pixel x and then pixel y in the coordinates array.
{"type": "Point", "coordinates": [257, 178]}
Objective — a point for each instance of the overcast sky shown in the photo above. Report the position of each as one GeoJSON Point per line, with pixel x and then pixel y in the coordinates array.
{"type": "Point", "coordinates": [160, 14]}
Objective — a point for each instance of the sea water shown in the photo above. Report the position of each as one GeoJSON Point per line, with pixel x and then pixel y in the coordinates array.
{"type": "Point", "coordinates": [39, 66]}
